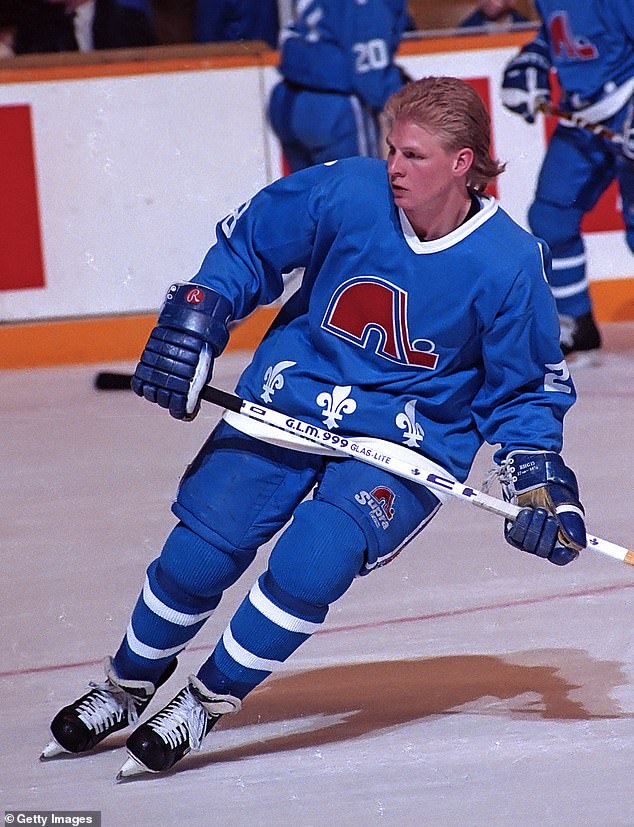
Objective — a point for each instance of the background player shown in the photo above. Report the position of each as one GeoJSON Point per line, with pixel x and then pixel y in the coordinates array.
{"type": "Point", "coordinates": [425, 316]}
{"type": "Point", "coordinates": [590, 46]}
{"type": "Point", "coordinates": [337, 64]}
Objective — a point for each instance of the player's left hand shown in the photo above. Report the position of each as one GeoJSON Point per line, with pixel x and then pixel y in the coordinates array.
{"type": "Point", "coordinates": [177, 361]}
{"type": "Point", "coordinates": [551, 523]}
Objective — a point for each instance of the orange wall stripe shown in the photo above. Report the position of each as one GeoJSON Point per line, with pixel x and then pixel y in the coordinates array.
{"type": "Point", "coordinates": [196, 57]}
{"type": "Point", "coordinates": [107, 339]}
{"type": "Point", "coordinates": [467, 42]}
{"type": "Point", "coordinates": [121, 62]}
{"type": "Point", "coordinates": [122, 338]}
{"type": "Point", "coordinates": [613, 300]}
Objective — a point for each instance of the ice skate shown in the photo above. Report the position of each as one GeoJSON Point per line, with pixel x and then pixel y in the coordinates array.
{"type": "Point", "coordinates": [580, 340]}
{"type": "Point", "coordinates": [109, 707]}
{"type": "Point", "coordinates": [177, 729]}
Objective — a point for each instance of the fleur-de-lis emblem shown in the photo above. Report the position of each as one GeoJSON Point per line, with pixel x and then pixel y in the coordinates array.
{"type": "Point", "coordinates": [273, 379]}
{"type": "Point", "coordinates": [336, 405]}
{"type": "Point", "coordinates": [412, 431]}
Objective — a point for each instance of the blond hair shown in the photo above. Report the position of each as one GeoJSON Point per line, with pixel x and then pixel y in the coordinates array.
{"type": "Point", "coordinates": [455, 113]}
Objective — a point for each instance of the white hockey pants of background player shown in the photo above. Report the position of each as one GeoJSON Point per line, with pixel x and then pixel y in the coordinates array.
{"type": "Point", "coordinates": [236, 496]}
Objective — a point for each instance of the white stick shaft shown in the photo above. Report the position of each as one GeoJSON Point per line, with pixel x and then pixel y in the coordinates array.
{"type": "Point", "coordinates": [396, 459]}
{"type": "Point", "coordinates": [582, 123]}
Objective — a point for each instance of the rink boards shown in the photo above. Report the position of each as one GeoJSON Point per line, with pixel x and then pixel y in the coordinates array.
{"type": "Point", "coordinates": [116, 168]}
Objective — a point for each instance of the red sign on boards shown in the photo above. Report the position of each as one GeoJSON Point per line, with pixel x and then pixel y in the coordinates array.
{"type": "Point", "coordinates": [21, 263]}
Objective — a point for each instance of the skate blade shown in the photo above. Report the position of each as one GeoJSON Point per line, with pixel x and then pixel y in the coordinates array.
{"type": "Point", "coordinates": [131, 768]}
{"type": "Point", "coordinates": [51, 750]}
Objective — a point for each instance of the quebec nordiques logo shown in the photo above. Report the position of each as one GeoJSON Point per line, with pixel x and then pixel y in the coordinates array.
{"type": "Point", "coordinates": [371, 313]}
{"type": "Point", "coordinates": [381, 504]}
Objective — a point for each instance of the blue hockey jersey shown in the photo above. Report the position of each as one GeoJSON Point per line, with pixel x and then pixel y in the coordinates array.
{"type": "Point", "coordinates": [437, 345]}
{"type": "Point", "coordinates": [591, 46]}
{"type": "Point", "coordinates": [345, 47]}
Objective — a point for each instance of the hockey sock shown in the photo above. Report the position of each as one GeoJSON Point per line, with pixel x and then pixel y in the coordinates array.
{"type": "Point", "coordinates": [313, 564]}
{"type": "Point", "coordinates": [182, 588]}
{"type": "Point", "coordinates": [559, 227]}
{"type": "Point", "coordinates": [262, 634]}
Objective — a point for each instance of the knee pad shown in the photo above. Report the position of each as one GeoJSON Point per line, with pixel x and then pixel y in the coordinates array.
{"type": "Point", "coordinates": [319, 554]}
{"type": "Point", "coordinates": [196, 568]}
{"type": "Point", "coordinates": [560, 227]}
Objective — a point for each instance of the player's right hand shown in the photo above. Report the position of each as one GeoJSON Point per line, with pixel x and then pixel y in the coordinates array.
{"type": "Point", "coordinates": [551, 522]}
{"type": "Point", "coordinates": [526, 84]}
{"type": "Point", "coordinates": [178, 358]}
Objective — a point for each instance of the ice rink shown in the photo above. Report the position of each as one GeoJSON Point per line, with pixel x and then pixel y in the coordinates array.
{"type": "Point", "coordinates": [466, 684]}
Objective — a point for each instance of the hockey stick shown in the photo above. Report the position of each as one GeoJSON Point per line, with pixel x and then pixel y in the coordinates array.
{"type": "Point", "coordinates": [107, 380]}
{"type": "Point", "coordinates": [595, 128]}
{"type": "Point", "coordinates": [396, 459]}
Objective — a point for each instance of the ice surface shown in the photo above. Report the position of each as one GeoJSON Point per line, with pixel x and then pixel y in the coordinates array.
{"type": "Point", "coordinates": [464, 685]}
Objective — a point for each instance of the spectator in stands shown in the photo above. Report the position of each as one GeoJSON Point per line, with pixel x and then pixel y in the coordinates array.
{"type": "Point", "coordinates": [7, 35]}
{"type": "Point", "coordinates": [222, 20]}
{"type": "Point", "coordinates": [8, 20]}
{"type": "Point", "coordinates": [338, 70]}
{"type": "Point", "coordinates": [496, 14]}
{"type": "Point", "coordinates": [82, 25]}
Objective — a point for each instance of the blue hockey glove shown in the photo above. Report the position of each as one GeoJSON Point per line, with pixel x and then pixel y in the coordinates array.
{"type": "Point", "coordinates": [177, 362]}
{"type": "Point", "coordinates": [551, 523]}
{"type": "Point", "coordinates": [526, 81]}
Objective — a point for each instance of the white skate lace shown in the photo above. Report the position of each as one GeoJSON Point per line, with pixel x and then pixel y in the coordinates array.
{"type": "Point", "coordinates": [184, 718]}
{"type": "Point", "coordinates": [105, 706]}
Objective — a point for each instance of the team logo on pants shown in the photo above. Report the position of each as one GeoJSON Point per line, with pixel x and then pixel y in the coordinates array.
{"type": "Point", "coordinates": [380, 501]}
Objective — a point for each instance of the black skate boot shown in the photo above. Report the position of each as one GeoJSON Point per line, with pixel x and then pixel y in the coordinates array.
{"type": "Point", "coordinates": [580, 339]}
{"type": "Point", "coordinates": [109, 706]}
{"type": "Point", "coordinates": [177, 729]}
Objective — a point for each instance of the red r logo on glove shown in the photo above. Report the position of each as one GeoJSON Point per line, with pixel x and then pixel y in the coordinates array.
{"type": "Point", "coordinates": [194, 296]}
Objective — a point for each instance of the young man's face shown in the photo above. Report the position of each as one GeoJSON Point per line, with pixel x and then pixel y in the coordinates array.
{"type": "Point", "coordinates": [419, 169]}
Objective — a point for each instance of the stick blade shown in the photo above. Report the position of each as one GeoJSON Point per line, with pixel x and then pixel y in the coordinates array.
{"type": "Point", "coordinates": [112, 381]}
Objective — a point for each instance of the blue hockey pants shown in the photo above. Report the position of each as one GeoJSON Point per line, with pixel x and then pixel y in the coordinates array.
{"type": "Point", "coordinates": [346, 519]}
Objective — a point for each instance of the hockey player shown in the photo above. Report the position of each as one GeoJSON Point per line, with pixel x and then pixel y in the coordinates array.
{"type": "Point", "coordinates": [590, 46]}
{"type": "Point", "coordinates": [424, 316]}
{"type": "Point", "coordinates": [337, 64]}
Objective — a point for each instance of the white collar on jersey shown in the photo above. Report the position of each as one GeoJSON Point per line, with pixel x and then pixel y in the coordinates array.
{"type": "Point", "coordinates": [488, 207]}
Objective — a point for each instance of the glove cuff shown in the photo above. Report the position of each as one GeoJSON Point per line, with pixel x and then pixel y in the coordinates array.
{"type": "Point", "coordinates": [198, 310]}
{"type": "Point", "coordinates": [524, 471]}
{"type": "Point", "coordinates": [536, 54]}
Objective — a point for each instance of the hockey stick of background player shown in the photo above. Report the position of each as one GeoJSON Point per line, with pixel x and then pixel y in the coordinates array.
{"type": "Point", "coordinates": [595, 128]}
{"type": "Point", "coordinates": [296, 434]}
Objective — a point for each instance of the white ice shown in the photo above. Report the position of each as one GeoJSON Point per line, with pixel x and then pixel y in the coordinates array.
{"type": "Point", "coordinates": [466, 684]}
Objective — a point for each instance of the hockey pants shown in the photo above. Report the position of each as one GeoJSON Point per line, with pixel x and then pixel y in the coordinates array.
{"type": "Point", "coordinates": [236, 496]}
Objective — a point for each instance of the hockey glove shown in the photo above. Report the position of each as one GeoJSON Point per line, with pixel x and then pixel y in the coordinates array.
{"type": "Point", "coordinates": [526, 81]}
{"type": "Point", "coordinates": [551, 523]}
{"type": "Point", "coordinates": [177, 362]}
